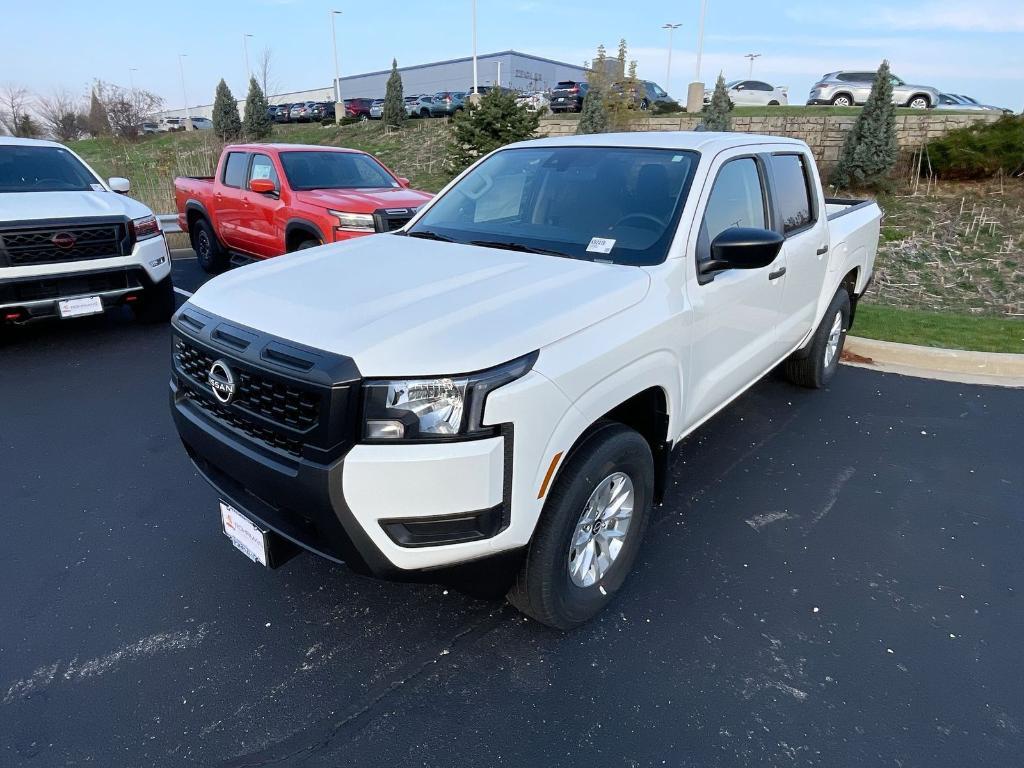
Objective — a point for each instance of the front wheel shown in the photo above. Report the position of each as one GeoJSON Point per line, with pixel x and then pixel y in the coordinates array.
{"type": "Point", "coordinates": [819, 365]}
{"type": "Point", "coordinates": [919, 102]}
{"type": "Point", "coordinates": [842, 100]}
{"type": "Point", "coordinates": [590, 530]}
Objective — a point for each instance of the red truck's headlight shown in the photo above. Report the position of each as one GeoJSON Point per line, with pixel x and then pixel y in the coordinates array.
{"type": "Point", "coordinates": [145, 228]}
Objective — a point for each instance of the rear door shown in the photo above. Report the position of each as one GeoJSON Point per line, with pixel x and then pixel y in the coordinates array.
{"type": "Point", "coordinates": [228, 202]}
{"type": "Point", "coordinates": [735, 313]}
{"type": "Point", "coordinates": [801, 221]}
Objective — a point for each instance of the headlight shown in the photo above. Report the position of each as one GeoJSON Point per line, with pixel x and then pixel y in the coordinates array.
{"type": "Point", "coordinates": [439, 408]}
{"type": "Point", "coordinates": [354, 222]}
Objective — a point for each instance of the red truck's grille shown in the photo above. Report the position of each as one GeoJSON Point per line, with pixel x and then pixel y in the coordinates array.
{"type": "Point", "coordinates": [55, 242]}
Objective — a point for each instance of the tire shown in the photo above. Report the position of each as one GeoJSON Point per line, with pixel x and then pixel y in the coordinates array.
{"type": "Point", "coordinates": [817, 368]}
{"type": "Point", "coordinates": [842, 100]}
{"type": "Point", "coordinates": [424, 113]}
{"type": "Point", "coordinates": [645, 105]}
{"type": "Point", "coordinates": [156, 305]}
{"type": "Point", "coordinates": [307, 244]}
{"type": "Point", "coordinates": [545, 589]}
{"type": "Point", "coordinates": [919, 102]}
{"type": "Point", "coordinates": [209, 253]}
{"type": "Point", "coordinates": [773, 103]}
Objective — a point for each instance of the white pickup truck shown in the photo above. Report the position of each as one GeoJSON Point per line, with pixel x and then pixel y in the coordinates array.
{"type": "Point", "coordinates": [496, 389]}
{"type": "Point", "coordinates": [70, 245]}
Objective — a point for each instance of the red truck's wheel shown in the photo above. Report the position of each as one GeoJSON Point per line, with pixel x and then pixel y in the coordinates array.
{"type": "Point", "coordinates": [211, 256]}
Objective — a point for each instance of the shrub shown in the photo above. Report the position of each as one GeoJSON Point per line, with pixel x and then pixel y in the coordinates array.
{"type": "Point", "coordinates": [496, 121]}
{"type": "Point", "coordinates": [226, 122]}
{"type": "Point", "coordinates": [980, 150]}
{"type": "Point", "coordinates": [257, 122]}
{"type": "Point", "coordinates": [716, 114]}
{"type": "Point", "coordinates": [870, 149]}
{"type": "Point", "coordinates": [394, 103]}
{"type": "Point", "coordinates": [668, 108]}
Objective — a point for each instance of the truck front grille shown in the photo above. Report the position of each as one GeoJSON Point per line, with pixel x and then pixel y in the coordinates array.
{"type": "Point", "coordinates": [54, 243]}
{"type": "Point", "coordinates": [390, 219]}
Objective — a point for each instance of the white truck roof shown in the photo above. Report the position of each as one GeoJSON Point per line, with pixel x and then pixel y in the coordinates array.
{"type": "Point", "coordinates": [700, 141]}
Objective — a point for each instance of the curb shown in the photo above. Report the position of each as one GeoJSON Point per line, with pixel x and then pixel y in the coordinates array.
{"type": "Point", "coordinates": [995, 368]}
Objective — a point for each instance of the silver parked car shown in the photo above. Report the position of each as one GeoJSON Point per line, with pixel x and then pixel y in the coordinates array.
{"type": "Point", "coordinates": [848, 88]}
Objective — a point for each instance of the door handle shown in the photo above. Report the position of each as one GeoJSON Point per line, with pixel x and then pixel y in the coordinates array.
{"type": "Point", "coordinates": [822, 250]}
{"type": "Point", "coordinates": [777, 273]}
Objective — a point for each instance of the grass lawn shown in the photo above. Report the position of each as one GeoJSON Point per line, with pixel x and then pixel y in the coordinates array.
{"type": "Point", "coordinates": [939, 329]}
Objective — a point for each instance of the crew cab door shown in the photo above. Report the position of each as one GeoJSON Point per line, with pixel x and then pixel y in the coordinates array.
{"type": "Point", "coordinates": [230, 207]}
{"type": "Point", "coordinates": [260, 229]}
{"type": "Point", "coordinates": [801, 219]}
{"type": "Point", "coordinates": [733, 336]}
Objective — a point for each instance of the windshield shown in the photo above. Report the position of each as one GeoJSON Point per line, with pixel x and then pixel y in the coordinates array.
{"type": "Point", "coordinates": [43, 169]}
{"type": "Point", "coordinates": [612, 204]}
{"type": "Point", "coordinates": [334, 170]}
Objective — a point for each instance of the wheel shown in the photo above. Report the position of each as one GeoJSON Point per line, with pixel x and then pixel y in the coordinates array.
{"type": "Point", "coordinates": [590, 530]}
{"type": "Point", "coordinates": [817, 368]}
{"type": "Point", "coordinates": [773, 103]}
{"type": "Point", "coordinates": [645, 105]}
{"type": "Point", "coordinates": [363, 118]}
{"type": "Point", "coordinates": [156, 305]}
{"type": "Point", "coordinates": [209, 253]}
{"type": "Point", "coordinates": [307, 244]}
{"type": "Point", "coordinates": [919, 102]}
{"type": "Point", "coordinates": [424, 112]}
{"type": "Point", "coordinates": [842, 100]}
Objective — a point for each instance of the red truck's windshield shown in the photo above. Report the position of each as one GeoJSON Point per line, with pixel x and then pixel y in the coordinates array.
{"type": "Point", "coordinates": [334, 170]}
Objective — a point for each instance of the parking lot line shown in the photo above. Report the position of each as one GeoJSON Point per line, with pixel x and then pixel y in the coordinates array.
{"type": "Point", "coordinates": [183, 292]}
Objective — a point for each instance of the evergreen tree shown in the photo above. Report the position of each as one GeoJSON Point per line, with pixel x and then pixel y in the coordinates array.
{"type": "Point", "coordinates": [257, 122]}
{"type": "Point", "coordinates": [394, 103]}
{"type": "Point", "coordinates": [869, 151]}
{"type": "Point", "coordinates": [716, 114]}
{"type": "Point", "coordinates": [97, 122]}
{"type": "Point", "coordinates": [594, 115]}
{"type": "Point", "coordinates": [495, 122]}
{"type": "Point", "coordinates": [226, 122]}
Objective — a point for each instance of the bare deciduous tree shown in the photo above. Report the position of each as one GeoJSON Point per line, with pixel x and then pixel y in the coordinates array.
{"type": "Point", "coordinates": [15, 114]}
{"type": "Point", "coordinates": [127, 108]}
{"type": "Point", "coordinates": [265, 72]}
{"type": "Point", "coordinates": [61, 115]}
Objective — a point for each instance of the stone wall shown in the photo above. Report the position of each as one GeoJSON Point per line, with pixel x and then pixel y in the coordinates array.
{"type": "Point", "coordinates": [823, 133]}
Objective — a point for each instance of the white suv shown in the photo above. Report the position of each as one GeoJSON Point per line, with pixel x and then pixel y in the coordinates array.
{"type": "Point", "coordinates": [72, 244]}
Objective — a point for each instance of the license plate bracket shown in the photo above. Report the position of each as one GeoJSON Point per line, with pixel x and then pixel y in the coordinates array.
{"type": "Point", "coordinates": [79, 307]}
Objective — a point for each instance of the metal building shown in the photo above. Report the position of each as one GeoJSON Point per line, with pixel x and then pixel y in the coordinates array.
{"type": "Point", "coordinates": [519, 71]}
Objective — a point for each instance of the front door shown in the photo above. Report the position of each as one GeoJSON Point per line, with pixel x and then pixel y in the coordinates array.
{"type": "Point", "coordinates": [735, 314]}
{"type": "Point", "coordinates": [259, 231]}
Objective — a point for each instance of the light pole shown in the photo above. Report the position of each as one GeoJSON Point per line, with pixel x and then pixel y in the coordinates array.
{"type": "Point", "coordinates": [700, 35]}
{"type": "Point", "coordinates": [499, 74]}
{"type": "Point", "coordinates": [668, 70]}
{"type": "Point", "coordinates": [475, 91]}
{"type": "Point", "coordinates": [751, 56]}
{"type": "Point", "coordinates": [695, 93]}
{"type": "Point", "coordinates": [339, 106]}
{"type": "Point", "coordinates": [131, 78]}
{"type": "Point", "coordinates": [245, 47]}
{"type": "Point", "coordinates": [184, 94]}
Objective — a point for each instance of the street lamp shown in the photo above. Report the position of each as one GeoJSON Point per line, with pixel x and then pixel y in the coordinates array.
{"type": "Point", "coordinates": [668, 70]}
{"type": "Point", "coordinates": [339, 106]}
{"type": "Point", "coordinates": [131, 79]}
{"type": "Point", "coordinates": [700, 35]}
{"type": "Point", "coordinates": [181, 71]}
{"type": "Point", "coordinates": [751, 56]}
{"type": "Point", "coordinates": [475, 89]}
{"type": "Point", "coordinates": [245, 47]}
{"type": "Point", "coordinates": [695, 93]}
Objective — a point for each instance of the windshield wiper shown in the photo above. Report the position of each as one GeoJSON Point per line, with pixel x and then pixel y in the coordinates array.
{"type": "Point", "coordinates": [520, 247]}
{"type": "Point", "coordinates": [426, 234]}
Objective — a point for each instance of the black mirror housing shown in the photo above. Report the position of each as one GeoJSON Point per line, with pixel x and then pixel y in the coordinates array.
{"type": "Point", "coordinates": [743, 248]}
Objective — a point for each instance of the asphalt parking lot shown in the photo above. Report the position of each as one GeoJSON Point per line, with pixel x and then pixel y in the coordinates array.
{"type": "Point", "coordinates": [834, 579]}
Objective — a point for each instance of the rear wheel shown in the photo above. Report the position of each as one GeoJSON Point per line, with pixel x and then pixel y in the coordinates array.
{"type": "Point", "coordinates": [842, 100]}
{"type": "Point", "coordinates": [590, 530]}
{"type": "Point", "coordinates": [209, 253]}
{"type": "Point", "coordinates": [773, 103]}
{"type": "Point", "coordinates": [817, 368]}
{"type": "Point", "coordinates": [424, 112]}
{"type": "Point", "coordinates": [156, 305]}
{"type": "Point", "coordinates": [919, 102]}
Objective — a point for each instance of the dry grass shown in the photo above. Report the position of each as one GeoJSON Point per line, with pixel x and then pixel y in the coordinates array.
{"type": "Point", "coordinates": [953, 247]}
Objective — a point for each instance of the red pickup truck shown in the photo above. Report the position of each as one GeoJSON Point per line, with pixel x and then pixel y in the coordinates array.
{"type": "Point", "coordinates": [269, 199]}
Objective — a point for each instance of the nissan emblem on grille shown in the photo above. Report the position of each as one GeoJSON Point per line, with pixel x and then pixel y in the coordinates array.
{"type": "Point", "coordinates": [222, 382]}
{"type": "Point", "coordinates": [63, 239]}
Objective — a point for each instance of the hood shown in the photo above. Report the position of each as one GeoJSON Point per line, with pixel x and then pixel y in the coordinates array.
{"type": "Point", "coordinates": [26, 206]}
{"type": "Point", "coordinates": [401, 306]}
{"type": "Point", "coordinates": [364, 200]}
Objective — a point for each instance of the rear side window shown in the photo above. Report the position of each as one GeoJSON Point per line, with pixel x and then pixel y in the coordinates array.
{"type": "Point", "coordinates": [234, 169]}
{"type": "Point", "coordinates": [792, 184]}
{"type": "Point", "coordinates": [737, 200]}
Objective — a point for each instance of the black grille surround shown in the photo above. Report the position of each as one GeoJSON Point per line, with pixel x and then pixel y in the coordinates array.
{"type": "Point", "coordinates": [57, 241]}
{"type": "Point", "coordinates": [293, 401]}
{"type": "Point", "coordinates": [390, 219]}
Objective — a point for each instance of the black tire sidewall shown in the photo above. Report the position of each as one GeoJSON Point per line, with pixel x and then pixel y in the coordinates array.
{"type": "Point", "coordinates": [840, 303]}
{"type": "Point", "coordinates": [206, 257]}
{"type": "Point", "coordinates": [612, 449]}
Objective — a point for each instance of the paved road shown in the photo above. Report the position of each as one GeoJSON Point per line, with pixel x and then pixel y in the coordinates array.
{"type": "Point", "coordinates": [835, 580]}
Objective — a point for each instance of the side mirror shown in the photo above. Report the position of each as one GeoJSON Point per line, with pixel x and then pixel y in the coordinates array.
{"type": "Point", "coordinates": [403, 181]}
{"type": "Point", "coordinates": [119, 184]}
{"type": "Point", "coordinates": [743, 248]}
{"type": "Point", "coordinates": [263, 186]}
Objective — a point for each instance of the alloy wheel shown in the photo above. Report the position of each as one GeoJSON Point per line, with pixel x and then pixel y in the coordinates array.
{"type": "Point", "coordinates": [601, 531]}
{"type": "Point", "coordinates": [834, 335]}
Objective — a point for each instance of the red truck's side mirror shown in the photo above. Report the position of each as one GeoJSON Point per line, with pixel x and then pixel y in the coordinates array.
{"type": "Point", "coordinates": [263, 186]}
{"type": "Point", "coordinates": [403, 181]}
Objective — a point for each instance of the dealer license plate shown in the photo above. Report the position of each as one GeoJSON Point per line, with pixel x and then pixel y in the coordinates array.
{"type": "Point", "coordinates": [244, 534]}
{"type": "Point", "coordinates": [87, 305]}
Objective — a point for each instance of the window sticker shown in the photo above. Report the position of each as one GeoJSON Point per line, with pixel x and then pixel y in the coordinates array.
{"type": "Point", "coordinates": [600, 245]}
{"type": "Point", "coordinates": [261, 171]}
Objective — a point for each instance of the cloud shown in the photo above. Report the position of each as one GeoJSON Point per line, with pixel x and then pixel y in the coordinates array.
{"type": "Point", "coordinates": [977, 16]}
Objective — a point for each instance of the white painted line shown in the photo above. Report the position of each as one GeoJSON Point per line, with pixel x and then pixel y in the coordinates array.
{"type": "Point", "coordinates": [182, 291]}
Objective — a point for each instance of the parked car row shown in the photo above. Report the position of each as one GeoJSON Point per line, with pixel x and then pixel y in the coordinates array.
{"type": "Point", "coordinates": [847, 88]}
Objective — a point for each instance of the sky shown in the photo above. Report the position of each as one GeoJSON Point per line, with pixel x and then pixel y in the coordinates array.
{"type": "Point", "coordinates": [974, 47]}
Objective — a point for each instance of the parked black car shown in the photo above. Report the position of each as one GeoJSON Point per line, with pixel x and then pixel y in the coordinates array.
{"type": "Point", "coordinates": [567, 96]}
{"type": "Point", "coordinates": [645, 94]}
{"type": "Point", "coordinates": [281, 113]}
{"type": "Point", "coordinates": [322, 110]}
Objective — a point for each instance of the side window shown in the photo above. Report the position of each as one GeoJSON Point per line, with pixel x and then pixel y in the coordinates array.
{"type": "Point", "coordinates": [263, 168]}
{"type": "Point", "coordinates": [792, 184]}
{"type": "Point", "coordinates": [737, 200]}
{"type": "Point", "coordinates": [234, 169]}
{"type": "Point", "coordinates": [759, 86]}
